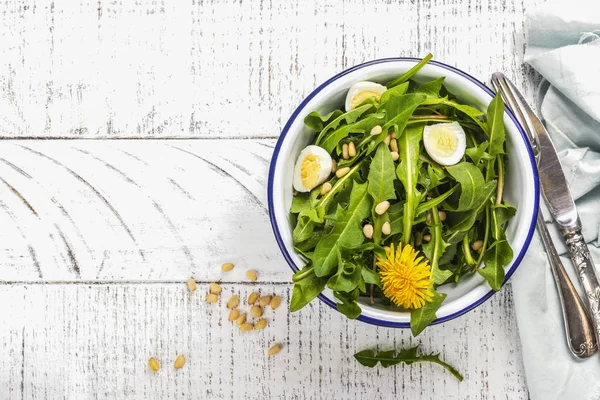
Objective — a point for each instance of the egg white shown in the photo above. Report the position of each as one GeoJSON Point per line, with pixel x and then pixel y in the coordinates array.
{"type": "Point", "coordinates": [325, 164]}
{"type": "Point", "coordinates": [451, 131]}
{"type": "Point", "coordinates": [363, 86]}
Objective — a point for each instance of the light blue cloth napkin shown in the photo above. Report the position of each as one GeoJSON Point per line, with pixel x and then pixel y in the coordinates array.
{"type": "Point", "coordinates": [564, 47]}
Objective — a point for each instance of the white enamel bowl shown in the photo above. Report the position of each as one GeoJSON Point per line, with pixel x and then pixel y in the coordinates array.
{"type": "Point", "coordinates": [521, 189]}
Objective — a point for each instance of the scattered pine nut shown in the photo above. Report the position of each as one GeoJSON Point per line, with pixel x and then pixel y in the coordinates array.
{"type": "Point", "coordinates": [368, 231]}
{"type": "Point", "coordinates": [233, 302]}
{"type": "Point", "coordinates": [153, 364]}
{"type": "Point", "coordinates": [264, 301]}
{"type": "Point", "coordinates": [351, 149]}
{"type": "Point", "coordinates": [273, 350]}
{"type": "Point", "coordinates": [252, 298]}
{"type": "Point", "coordinates": [387, 140]}
{"type": "Point", "coordinates": [260, 324]}
{"type": "Point", "coordinates": [191, 284]}
{"type": "Point", "coordinates": [333, 166]}
{"type": "Point", "coordinates": [256, 311]}
{"type": "Point", "coordinates": [382, 207]}
{"type": "Point", "coordinates": [376, 130]}
{"type": "Point", "coordinates": [345, 152]}
{"type": "Point", "coordinates": [233, 315]}
{"type": "Point", "coordinates": [394, 136]}
{"type": "Point", "coordinates": [386, 229]}
{"type": "Point", "coordinates": [275, 302]}
{"type": "Point", "coordinates": [179, 362]}
{"type": "Point", "coordinates": [342, 171]}
{"type": "Point", "coordinates": [428, 219]}
{"type": "Point", "coordinates": [215, 288]}
{"type": "Point", "coordinates": [241, 319]}
{"type": "Point", "coordinates": [212, 298]}
{"type": "Point", "coordinates": [427, 237]}
{"type": "Point", "coordinates": [394, 145]}
{"type": "Point", "coordinates": [326, 188]}
{"type": "Point", "coordinates": [245, 327]}
{"type": "Point", "coordinates": [251, 275]}
{"type": "Point", "coordinates": [477, 245]}
{"type": "Point", "coordinates": [442, 215]}
{"type": "Point", "coordinates": [226, 267]}
{"type": "Point", "coordinates": [395, 155]}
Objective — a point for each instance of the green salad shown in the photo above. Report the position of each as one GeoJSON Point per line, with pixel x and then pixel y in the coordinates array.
{"type": "Point", "coordinates": [398, 194]}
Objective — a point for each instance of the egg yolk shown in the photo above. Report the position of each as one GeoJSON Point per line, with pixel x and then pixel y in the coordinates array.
{"type": "Point", "coordinates": [309, 171]}
{"type": "Point", "coordinates": [361, 97]}
{"type": "Point", "coordinates": [442, 141]}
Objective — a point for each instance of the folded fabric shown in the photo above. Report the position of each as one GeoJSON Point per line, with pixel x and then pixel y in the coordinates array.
{"type": "Point", "coordinates": [564, 47]}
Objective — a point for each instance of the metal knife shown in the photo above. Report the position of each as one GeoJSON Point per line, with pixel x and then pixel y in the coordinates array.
{"type": "Point", "coordinates": [557, 195]}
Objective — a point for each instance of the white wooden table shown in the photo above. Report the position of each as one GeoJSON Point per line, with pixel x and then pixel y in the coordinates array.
{"type": "Point", "coordinates": [98, 235]}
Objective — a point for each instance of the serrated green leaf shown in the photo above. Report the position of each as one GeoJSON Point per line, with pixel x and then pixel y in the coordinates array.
{"type": "Point", "coordinates": [421, 317]}
{"type": "Point", "coordinates": [330, 142]}
{"type": "Point", "coordinates": [497, 256]}
{"type": "Point", "coordinates": [382, 175]}
{"type": "Point", "coordinates": [344, 119]}
{"type": "Point", "coordinates": [370, 358]}
{"type": "Point", "coordinates": [495, 121]}
{"type": "Point", "coordinates": [316, 121]}
{"type": "Point", "coordinates": [474, 190]}
{"type": "Point", "coordinates": [347, 231]}
{"type": "Point", "coordinates": [411, 72]}
{"type": "Point", "coordinates": [407, 171]}
{"type": "Point", "coordinates": [395, 91]}
{"type": "Point", "coordinates": [307, 286]}
{"type": "Point", "coordinates": [432, 88]}
{"type": "Point", "coordinates": [478, 153]}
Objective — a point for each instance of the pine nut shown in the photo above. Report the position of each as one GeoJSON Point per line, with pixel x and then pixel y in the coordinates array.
{"type": "Point", "coordinates": [273, 350]}
{"type": "Point", "coordinates": [427, 237]}
{"type": "Point", "coordinates": [261, 324]}
{"type": "Point", "coordinates": [333, 166]}
{"type": "Point", "coordinates": [153, 364]}
{"type": "Point", "coordinates": [386, 229]}
{"type": "Point", "coordinates": [252, 298]}
{"type": "Point", "coordinates": [275, 302]}
{"type": "Point", "coordinates": [395, 155]}
{"type": "Point", "coordinates": [179, 362]}
{"type": "Point", "coordinates": [251, 275]}
{"type": "Point", "coordinates": [345, 151]}
{"type": "Point", "coordinates": [382, 207]}
{"type": "Point", "coordinates": [394, 135]}
{"type": "Point", "coordinates": [226, 267]}
{"type": "Point", "coordinates": [191, 284]}
{"type": "Point", "coordinates": [256, 311]}
{"type": "Point", "coordinates": [351, 149]}
{"type": "Point", "coordinates": [212, 298]}
{"type": "Point", "coordinates": [233, 302]}
{"type": "Point", "coordinates": [215, 288]}
{"type": "Point", "coordinates": [477, 245]}
{"type": "Point", "coordinates": [387, 140]}
{"type": "Point", "coordinates": [368, 231]}
{"type": "Point", "coordinates": [246, 327]}
{"type": "Point", "coordinates": [342, 171]}
{"type": "Point", "coordinates": [394, 145]}
{"type": "Point", "coordinates": [233, 315]}
{"type": "Point", "coordinates": [264, 301]}
{"type": "Point", "coordinates": [442, 215]}
{"type": "Point", "coordinates": [376, 130]}
{"type": "Point", "coordinates": [326, 188]}
{"type": "Point", "coordinates": [241, 319]}
{"type": "Point", "coordinates": [428, 219]}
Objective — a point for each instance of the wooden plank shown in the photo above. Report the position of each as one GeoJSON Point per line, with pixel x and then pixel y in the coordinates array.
{"type": "Point", "coordinates": [223, 68]}
{"type": "Point", "coordinates": [93, 341]}
{"type": "Point", "coordinates": [135, 210]}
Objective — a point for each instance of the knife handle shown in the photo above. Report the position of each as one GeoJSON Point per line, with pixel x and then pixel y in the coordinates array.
{"type": "Point", "coordinates": [581, 335]}
{"type": "Point", "coordinates": [586, 271]}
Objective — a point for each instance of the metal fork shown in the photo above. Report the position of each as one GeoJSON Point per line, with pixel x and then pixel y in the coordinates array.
{"type": "Point", "coordinates": [579, 329]}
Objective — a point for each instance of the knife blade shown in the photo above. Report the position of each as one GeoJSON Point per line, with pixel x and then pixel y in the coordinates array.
{"type": "Point", "coordinates": [557, 194]}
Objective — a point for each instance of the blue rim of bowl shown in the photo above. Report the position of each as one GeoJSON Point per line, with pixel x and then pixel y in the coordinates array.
{"type": "Point", "coordinates": [288, 258]}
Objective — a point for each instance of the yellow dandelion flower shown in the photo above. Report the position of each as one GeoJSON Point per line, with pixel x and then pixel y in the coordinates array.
{"type": "Point", "coordinates": [406, 277]}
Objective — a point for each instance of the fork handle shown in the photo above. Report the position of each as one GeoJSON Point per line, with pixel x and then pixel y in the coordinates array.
{"type": "Point", "coordinates": [586, 271]}
{"type": "Point", "coordinates": [581, 337]}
